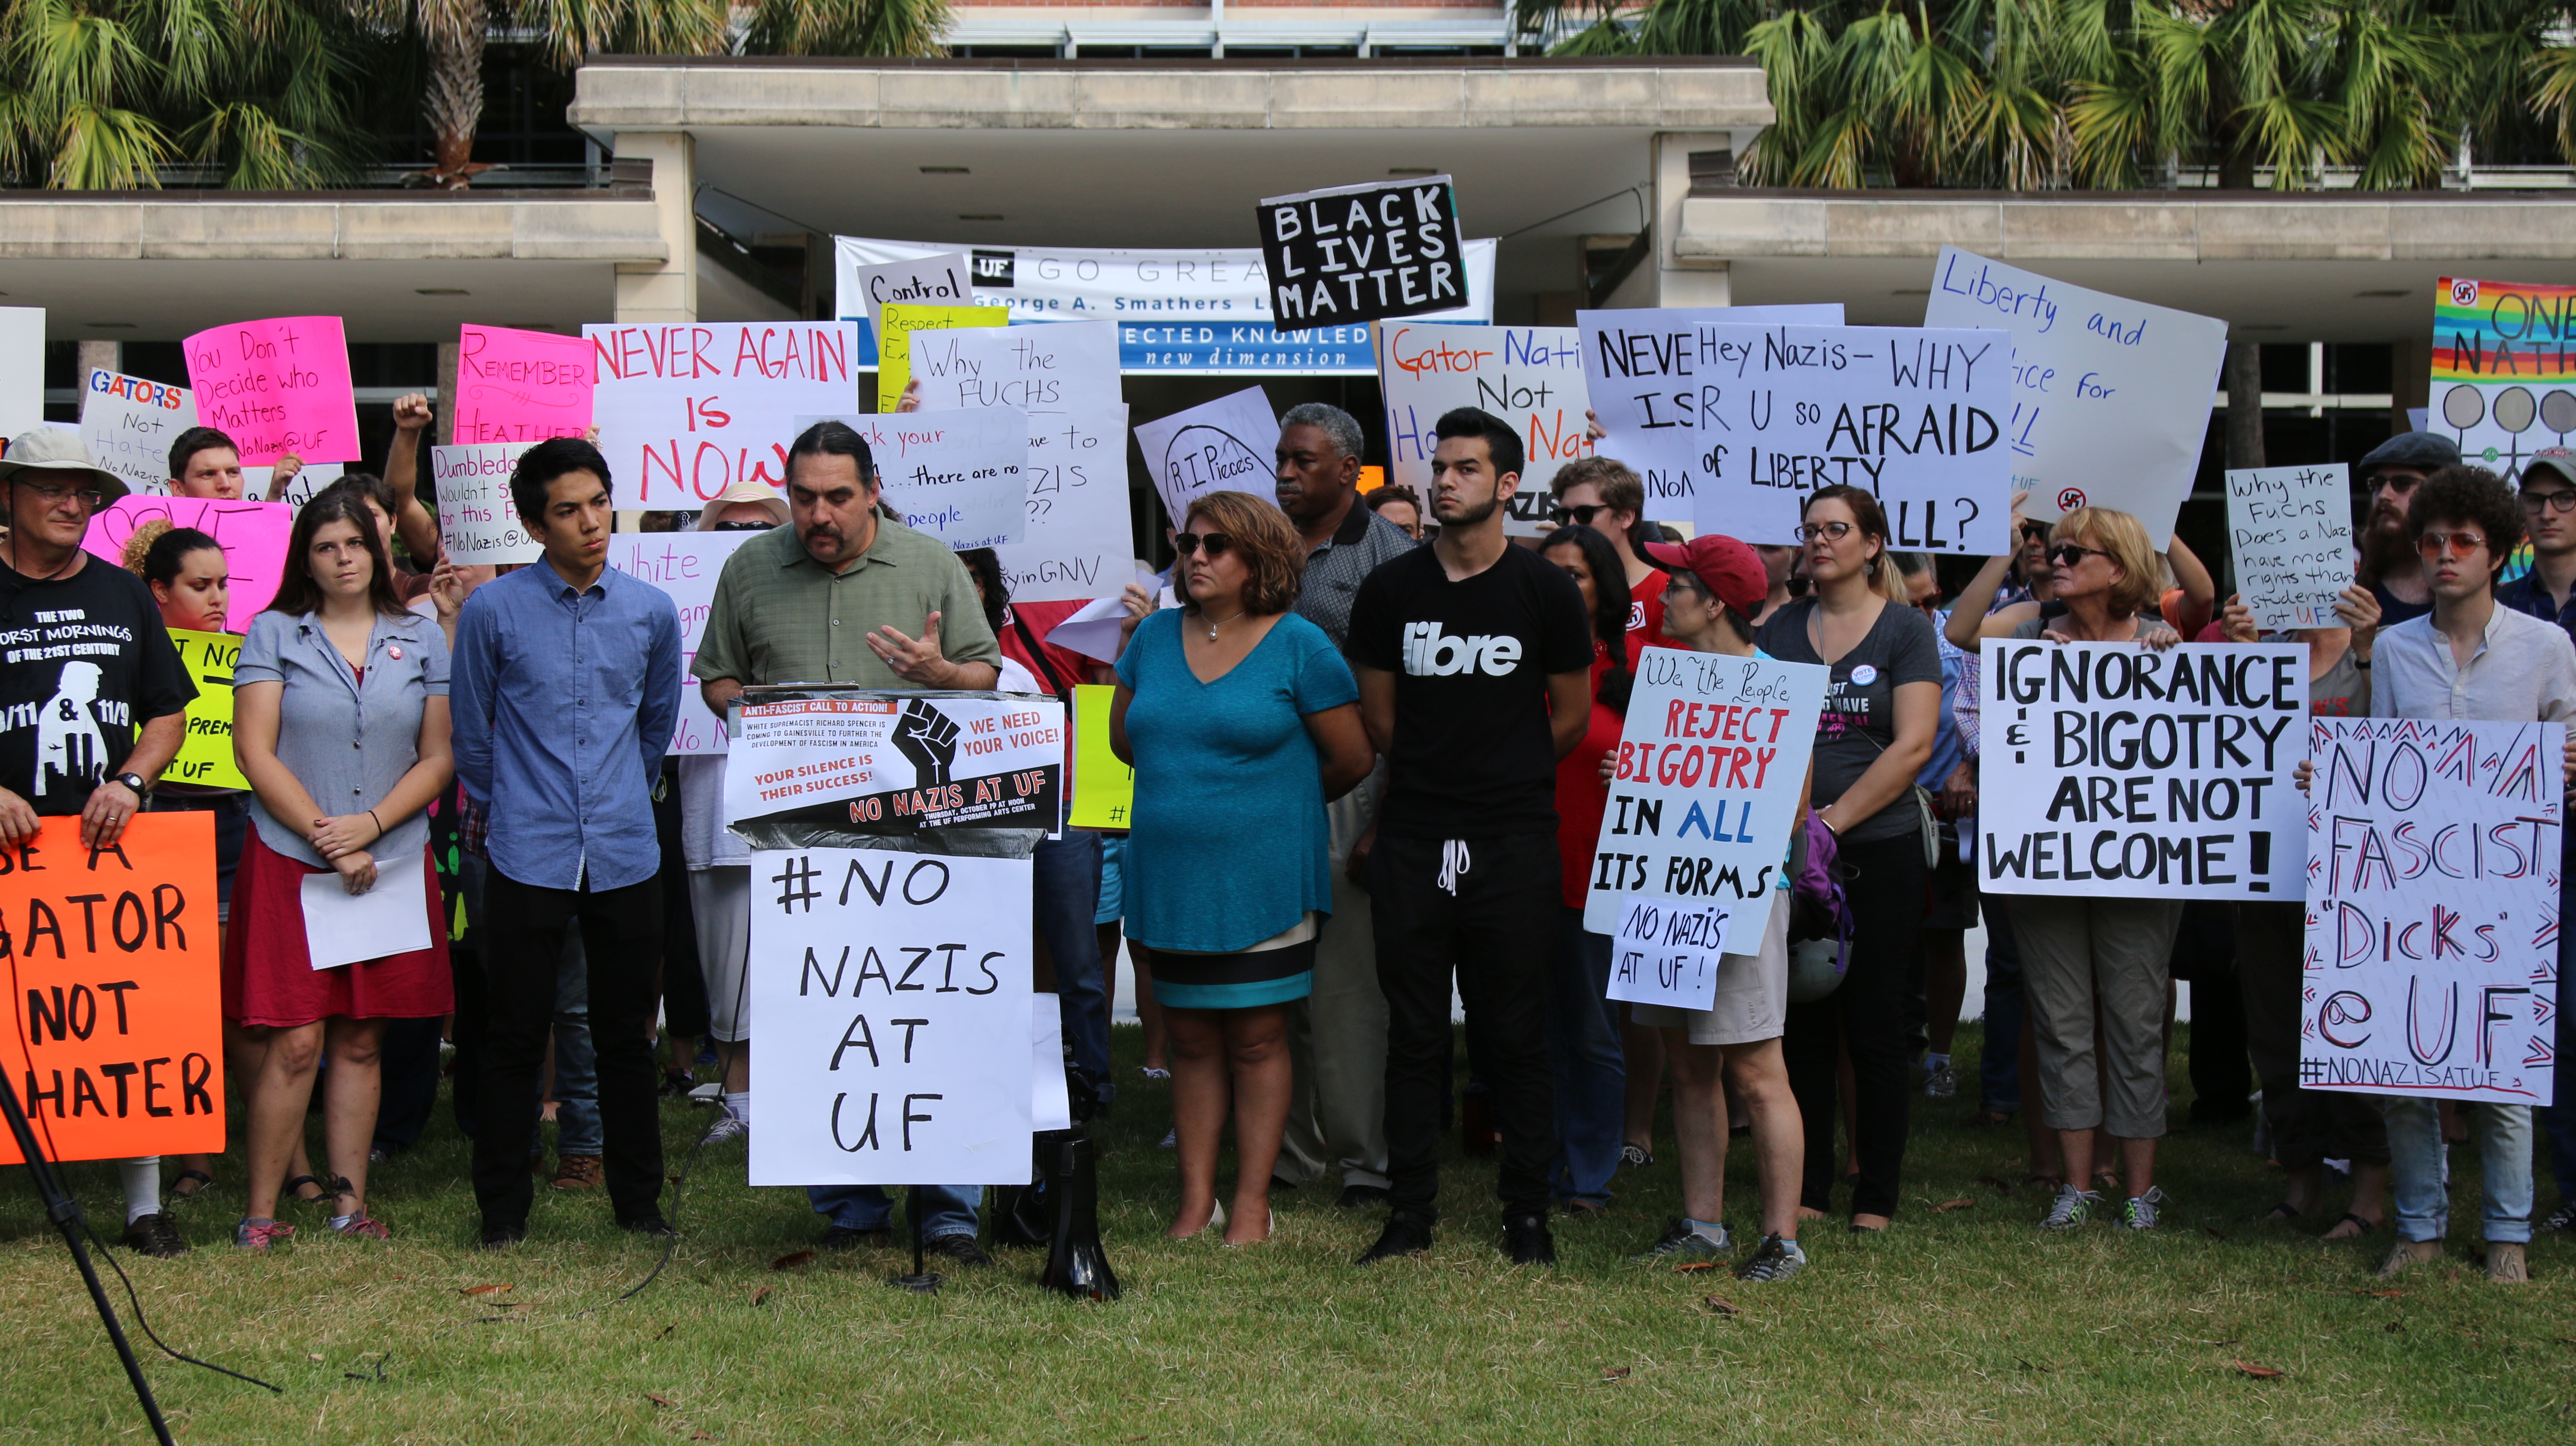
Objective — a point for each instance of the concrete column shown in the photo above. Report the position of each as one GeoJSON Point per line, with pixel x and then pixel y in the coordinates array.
{"type": "Point", "coordinates": [2410, 381]}
{"type": "Point", "coordinates": [105, 356]}
{"type": "Point", "coordinates": [664, 291]}
{"type": "Point", "coordinates": [1698, 281]}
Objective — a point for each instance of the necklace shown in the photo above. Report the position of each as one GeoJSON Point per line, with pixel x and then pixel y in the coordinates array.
{"type": "Point", "coordinates": [1212, 627]}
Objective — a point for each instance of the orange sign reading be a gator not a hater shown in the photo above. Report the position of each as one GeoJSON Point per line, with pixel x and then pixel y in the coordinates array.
{"type": "Point", "coordinates": [115, 1041]}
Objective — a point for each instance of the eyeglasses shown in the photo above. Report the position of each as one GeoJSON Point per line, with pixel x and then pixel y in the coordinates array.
{"type": "Point", "coordinates": [88, 497]}
{"type": "Point", "coordinates": [2561, 500]}
{"type": "Point", "coordinates": [2069, 555]}
{"type": "Point", "coordinates": [1833, 531]}
{"type": "Point", "coordinates": [1579, 515]}
{"type": "Point", "coordinates": [2442, 544]}
{"type": "Point", "coordinates": [1188, 543]}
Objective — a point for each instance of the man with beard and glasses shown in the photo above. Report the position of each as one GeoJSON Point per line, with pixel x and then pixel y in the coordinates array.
{"type": "Point", "coordinates": [2389, 567]}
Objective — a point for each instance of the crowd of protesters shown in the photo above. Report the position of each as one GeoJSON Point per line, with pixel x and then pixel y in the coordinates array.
{"type": "Point", "coordinates": [1410, 716]}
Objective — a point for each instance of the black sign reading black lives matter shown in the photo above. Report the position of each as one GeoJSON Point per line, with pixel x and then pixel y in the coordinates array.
{"type": "Point", "coordinates": [1359, 253]}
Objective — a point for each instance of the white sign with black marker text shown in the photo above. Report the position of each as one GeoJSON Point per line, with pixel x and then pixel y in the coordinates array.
{"type": "Point", "coordinates": [2291, 531]}
{"type": "Point", "coordinates": [955, 475]}
{"type": "Point", "coordinates": [2112, 770]}
{"type": "Point", "coordinates": [477, 520]}
{"type": "Point", "coordinates": [1666, 951]}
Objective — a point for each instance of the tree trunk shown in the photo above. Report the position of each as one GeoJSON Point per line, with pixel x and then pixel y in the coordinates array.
{"type": "Point", "coordinates": [2244, 404]}
{"type": "Point", "coordinates": [453, 104]}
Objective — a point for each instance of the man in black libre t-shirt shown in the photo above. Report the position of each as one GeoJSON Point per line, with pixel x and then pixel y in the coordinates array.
{"type": "Point", "coordinates": [1473, 659]}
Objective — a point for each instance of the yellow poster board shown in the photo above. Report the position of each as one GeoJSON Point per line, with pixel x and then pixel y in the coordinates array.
{"type": "Point", "coordinates": [1104, 789]}
{"type": "Point", "coordinates": [894, 339]}
{"type": "Point", "coordinates": [206, 754]}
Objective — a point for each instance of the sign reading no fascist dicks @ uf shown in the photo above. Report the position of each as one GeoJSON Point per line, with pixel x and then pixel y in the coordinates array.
{"type": "Point", "coordinates": [2431, 965]}
{"type": "Point", "coordinates": [2112, 770]}
{"type": "Point", "coordinates": [844, 759]}
{"type": "Point", "coordinates": [1359, 253]}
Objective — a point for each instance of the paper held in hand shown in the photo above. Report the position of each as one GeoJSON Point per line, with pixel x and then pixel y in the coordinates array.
{"type": "Point", "coordinates": [2291, 531]}
{"type": "Point", "coordinates": [1667, 951]}
{"type": "Point", "coordinates": [345, 928]}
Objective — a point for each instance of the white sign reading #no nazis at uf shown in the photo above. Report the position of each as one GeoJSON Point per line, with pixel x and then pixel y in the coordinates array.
{"type": "Point", "coordinates": [2432, 923]}
{"type": "Point", "coordinates": [2112, 770]}
{"type": "Point", "coordinates": [2291, 530]}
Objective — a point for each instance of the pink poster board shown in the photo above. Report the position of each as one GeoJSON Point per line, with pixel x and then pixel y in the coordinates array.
{"type": "Point", "coordinates": [277, 386]}
{"type": "Point", "coordinates": [253, 535]}
{"type": "Point", "coordinates": [520, 386]}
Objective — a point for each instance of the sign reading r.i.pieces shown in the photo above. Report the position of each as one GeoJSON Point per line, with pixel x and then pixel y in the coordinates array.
{"type": "Point", "coordinates": [2112, 770]}
{"type": "Point", "coordinates": [1360, 253]}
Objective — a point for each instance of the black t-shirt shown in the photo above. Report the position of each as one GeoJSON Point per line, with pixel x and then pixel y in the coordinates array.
{"type": "Point", "coordinates": [84, 662]}
{"type": "Point", "coordinates": [1858, 721]}
{"type": "Point", "coordinates": [1473, 754]}
{"type": "Point", "coordinates": [2394, 609]}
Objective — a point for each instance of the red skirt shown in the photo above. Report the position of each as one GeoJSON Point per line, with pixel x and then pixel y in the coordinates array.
{"type": "Point", "coordinates": [269, 978]}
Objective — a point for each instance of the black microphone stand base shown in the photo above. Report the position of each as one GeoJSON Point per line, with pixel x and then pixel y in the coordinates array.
{"type": "Point", "coordinates": [1076, 1265]}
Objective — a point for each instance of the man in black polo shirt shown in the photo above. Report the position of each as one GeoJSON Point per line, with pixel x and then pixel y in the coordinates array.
{"type": "Point", "coordinates": [1473, 659]}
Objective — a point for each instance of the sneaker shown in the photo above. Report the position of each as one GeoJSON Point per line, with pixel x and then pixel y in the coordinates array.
{"type": "Point", "coordinates": [260, 1237]}
{"type": "Point", "coordinates": [2072, 1209]}
{"type": "Point", "coordinates": [2138, 1212]}
{"type": "Point", "coordinates": [1635, 1157]}
{"type": "Point", "coordinates": [2505, 1263]}
{"type": "Point", "coordinates": [156, 1235]}
{"type": "Point", "coordinates": [1682, 1242]}
{"type": "Point", "coordinates": [578, 1172]}
{"type": "Point", "coordinates": [2564, 1219]}
{"type": "Point", "coordinates": [1941, 1082]}
{"type": "Point", "coordinates": [1773, 1259]}
{"type": "Point", "coordinates": [851, 1237]}
{"type": "Point", "coordinates": [728, 1127]}
{"type": "Point", "coordinates": [1526, 1241]}
{"type": "Point", "coordinates": [362, 1227]}
{"type": "Point", "coordinates": [1404, 1235]}
{"type": "Point", "coordinates": [959, 1249]}
{"type": "Point", "coordinates": [1360, 1197]}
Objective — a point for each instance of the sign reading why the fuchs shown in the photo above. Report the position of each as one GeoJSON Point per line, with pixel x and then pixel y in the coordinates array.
{"type": "Point", "coordinates": [1705, 787]}
{"type": "Point", "coordinates": [2433, 872]}
{"type": "Point", "coordinates": [893, 994]}
{"type": "Point", "coordinates": [849, 758]}
{"type": "Point", "coordinates": [2112, 770]}
{"type": "Point", "coordinates": [1359, 253]}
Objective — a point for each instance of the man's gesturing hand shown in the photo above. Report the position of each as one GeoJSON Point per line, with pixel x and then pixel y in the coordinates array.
{"type": "Point", "coordinates": [915, 660]}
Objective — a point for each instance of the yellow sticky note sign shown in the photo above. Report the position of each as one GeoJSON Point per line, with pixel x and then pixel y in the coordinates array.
{"type": "Point", "coordinates": [897, 322]}
{"type": "Point", "coordinates": [206, 753]}
{"type": "Point", "coordinates": [1104, 789]}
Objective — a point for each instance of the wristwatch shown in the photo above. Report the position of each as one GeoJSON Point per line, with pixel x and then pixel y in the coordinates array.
{"type": "Point", "coordinates": [133, 781]}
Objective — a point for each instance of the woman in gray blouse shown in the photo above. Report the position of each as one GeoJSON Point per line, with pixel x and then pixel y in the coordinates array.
{"type": "Point", "coordinates": [340, 724]}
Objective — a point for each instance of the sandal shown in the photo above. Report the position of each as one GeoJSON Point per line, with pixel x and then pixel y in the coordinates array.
{"type": "Point", "coordinates": [204, 1183]}
{"type": "Point", "coordinates": [2366, 1227]}
{"type": "Point", "coordinates": [2282, 1213]}
{"type": "Point", "coordinates": [294, 1187]}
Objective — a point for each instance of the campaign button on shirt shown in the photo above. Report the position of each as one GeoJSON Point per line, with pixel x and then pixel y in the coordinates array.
{"type": "Point", "coordinates": [1864, 675]}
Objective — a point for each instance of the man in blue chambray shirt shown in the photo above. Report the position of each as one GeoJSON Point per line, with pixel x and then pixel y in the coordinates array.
{"type": "Point", "coordinates": [565, 684]}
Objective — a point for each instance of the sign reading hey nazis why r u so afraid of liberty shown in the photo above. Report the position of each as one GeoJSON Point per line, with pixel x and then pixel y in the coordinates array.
{"type": "Point", "coordinates": [1705, 787]}
{"type": "Point", "coordinates": [851, 758]}
{"type": "Point", "coordinates": [2114, 770]}
{"type": "Point", "coordinates": [1732, 426]}
{"type": "Point", "coordinates": [2432, 947]}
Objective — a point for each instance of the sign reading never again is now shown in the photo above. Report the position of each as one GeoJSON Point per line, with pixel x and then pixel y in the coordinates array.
{"type": "Point", "coordinates": [115, 1043]}
{"type": "Point", "coordinates": [686, 411]}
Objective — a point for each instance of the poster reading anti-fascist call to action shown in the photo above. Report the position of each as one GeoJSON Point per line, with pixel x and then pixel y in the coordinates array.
{"type": "Point", "coordinates": [2114, 770]}
{"type": "Point", "coordinates": [869, 761]}
{"type": "Point", "coordinates": [2432, 955]}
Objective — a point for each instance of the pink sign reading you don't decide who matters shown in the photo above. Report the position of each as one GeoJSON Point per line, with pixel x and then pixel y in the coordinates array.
{"type": "Point", "coordinates": [276, 387]}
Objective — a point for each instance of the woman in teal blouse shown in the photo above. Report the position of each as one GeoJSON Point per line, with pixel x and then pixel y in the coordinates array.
{"type": "Point", "coordinates": [1241, 721]}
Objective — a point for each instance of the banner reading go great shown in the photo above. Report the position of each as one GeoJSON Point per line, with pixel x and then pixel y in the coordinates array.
{"type": "Point", "coordinates": [115, 1043]}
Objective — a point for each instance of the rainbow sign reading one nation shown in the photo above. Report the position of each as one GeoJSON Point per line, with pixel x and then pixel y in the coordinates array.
{"type": "Point", "coordinates": [2504, 369]}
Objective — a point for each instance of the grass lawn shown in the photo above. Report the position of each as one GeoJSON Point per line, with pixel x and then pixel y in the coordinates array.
{"type": "Point", "coordinates": [1959, 1325]}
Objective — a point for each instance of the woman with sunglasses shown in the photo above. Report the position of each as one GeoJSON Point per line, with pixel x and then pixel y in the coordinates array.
{"type": "Point", "coordinates": [1882, 708]}
{"type": "Point", "coordinates": [1241, 721]}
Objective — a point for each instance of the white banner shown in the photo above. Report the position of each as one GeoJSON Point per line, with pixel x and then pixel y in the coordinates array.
{"type": "Point", "coordinates": [955, 475]}
{"type": "Point", "coordinates": [1069, 366]}
{"type": "Point", "coordinates": [870, 759]}
{"type": "Point", "coordinates": [2113, 770]}
{"type": "Point", "coordinates": [1666, 951]}
{"type": "Point", "coordinates": [1202, 311]}
{"type": "Point", "coordinates": [1710, 765]}
{"type": "Point", "coordinates": [128, 425]}
{"type": "Point", "coordinates": [1228, 445]}
{"type": "Point", "coordinates": [2432, 958]}
{"type": "Point", "coordinates": [477, 521]}
{"type": "Point", "coordinates": [2291, 530]}
{"type": "Point", "coordinates": [892, 991]}
{"type": "Point", "coordinates": [685, 410]}
{"type": "Point", "coordinates": [2094, 376]}
{"type": "Point", "coordinates": [1731, 425]}
{"type": "Point", "coordinates": [685, 565]}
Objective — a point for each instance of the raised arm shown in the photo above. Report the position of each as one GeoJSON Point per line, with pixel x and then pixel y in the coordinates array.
{"type": "Point", "coordinates": [413, 523]}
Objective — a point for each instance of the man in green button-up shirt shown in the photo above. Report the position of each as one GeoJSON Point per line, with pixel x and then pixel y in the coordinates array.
{"type": "Point", "coordinates": [836, 597]}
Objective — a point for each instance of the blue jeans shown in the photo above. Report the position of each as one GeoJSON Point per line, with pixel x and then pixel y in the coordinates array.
{"type": "Point", "coordinates": [1583, 1055]}
{"type": "Point", "coordinates": [945, 1209]}
{"type": "Point", "coordinates": [2415, 1161]}
{"type": "Point", "coordinates": [1068, 894]}
{"type": "Point", "coordinates": [576, 1063]}
{"type": "Point", "coordinates": [1999, 1067]}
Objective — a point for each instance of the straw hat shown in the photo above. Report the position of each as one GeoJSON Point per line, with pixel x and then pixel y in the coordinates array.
{"type": "Point", "coordinates": [748, 489]}
{"type": "Point", "coordinates": [52, 449]}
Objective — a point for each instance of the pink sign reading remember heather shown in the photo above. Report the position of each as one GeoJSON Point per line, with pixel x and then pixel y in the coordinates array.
{"type": "Point", "coordinates": [520, 386]}
{"type": "Point", "coordinates": [276, 387]}
{"type": "Point", "coordinates": [253, 535]}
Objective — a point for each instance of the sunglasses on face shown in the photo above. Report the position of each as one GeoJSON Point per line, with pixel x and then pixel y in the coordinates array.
{"type": "Point", "coordinates": [2034, 531]}
{"type": "Point", "coordinates": [2070, 555]}
{"type": "Point", "coordinates": [2434, 545]}
{"type": "Point", "coordinates": [1187, 544]}
{"type": "Point", "coordinates": [1579, 515]}
{"type": "Point", "coordinates": [742, 527]}
{"type": "Point", "coordinates": [2561, 500]}
{"type": "Point", "coordinates": [2394, 484]}
{"type": "Point", "coordinates": [1831, 531]}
